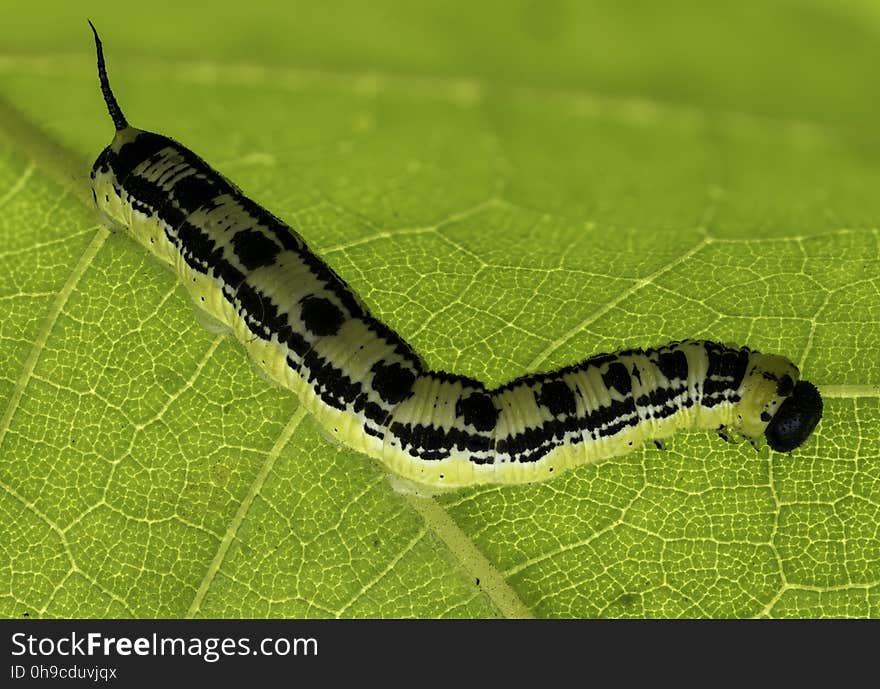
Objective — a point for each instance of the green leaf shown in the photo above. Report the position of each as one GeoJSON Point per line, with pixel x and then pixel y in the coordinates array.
{"type": "Point", "coordinates": [512, 186]}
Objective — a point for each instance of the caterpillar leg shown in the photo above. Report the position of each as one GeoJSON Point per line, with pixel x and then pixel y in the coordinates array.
{"type": "Point", "coordinates": [724, 434]}
{"type": "Point", "coordinates": [733, 437]}
{"type": "Point", "coordinates": [405, 486]}
{"type": "Point", "coordinates": [105, 219]}
{"type": "Point", "coordinates": [209, 322]}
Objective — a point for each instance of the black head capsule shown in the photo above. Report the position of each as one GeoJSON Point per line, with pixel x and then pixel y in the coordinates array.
{"type": "Point", "coordinates": [795, 420]}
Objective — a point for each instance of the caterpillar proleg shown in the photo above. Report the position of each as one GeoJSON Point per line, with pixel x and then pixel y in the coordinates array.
{"type": "Point", "coordinates": [308, 331]}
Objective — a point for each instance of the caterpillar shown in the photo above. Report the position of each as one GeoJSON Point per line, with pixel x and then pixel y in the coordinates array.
{"type": "Point", "coordinates": [308, 331]}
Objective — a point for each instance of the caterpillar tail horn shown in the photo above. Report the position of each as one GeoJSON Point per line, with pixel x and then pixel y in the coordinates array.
{"type": "Point", "coordinates": [113, 108]}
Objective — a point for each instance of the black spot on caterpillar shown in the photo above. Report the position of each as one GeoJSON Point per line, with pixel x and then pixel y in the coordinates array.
{"type": "Point", "coordinates": [305, 327]}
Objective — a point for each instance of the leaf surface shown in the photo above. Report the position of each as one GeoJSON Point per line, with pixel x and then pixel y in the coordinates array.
{"type": "Point", "coordinates": [511, 186]}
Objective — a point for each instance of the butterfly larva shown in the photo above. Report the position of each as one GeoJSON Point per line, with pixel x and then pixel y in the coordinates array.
{"type": "Point", "coordinates": [303, 325]}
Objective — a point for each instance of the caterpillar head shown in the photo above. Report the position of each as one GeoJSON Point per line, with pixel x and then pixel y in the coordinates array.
{"type": "Point", "coordinates": [795, 420]}
{"type": "Point", "coordinates": [776, 404]}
